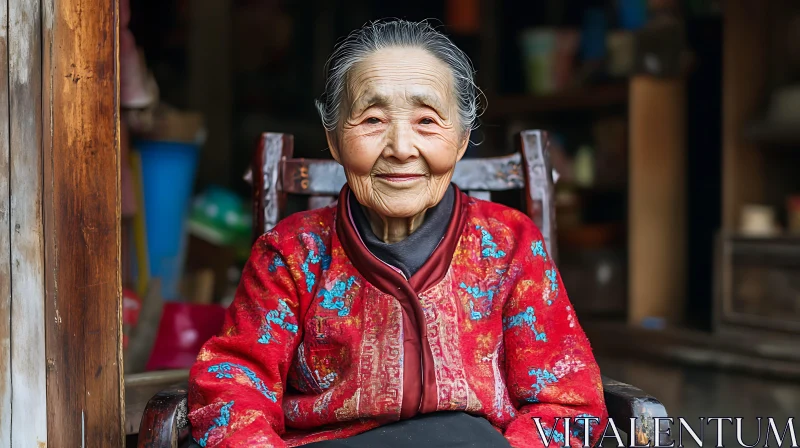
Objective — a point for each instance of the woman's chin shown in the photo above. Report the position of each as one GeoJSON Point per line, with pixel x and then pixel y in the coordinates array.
{"type": "Point", "coordinates": [402, 211]}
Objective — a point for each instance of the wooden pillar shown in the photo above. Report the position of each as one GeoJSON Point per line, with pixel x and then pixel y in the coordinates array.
{"type": "Point", "coordinates": [657, 199]}
{"type": "Point", "coordinates": [26, 366]}
{"type": "Point", "coordinates": [5, 239]}
{"type": "Point", "coordinates": [81, 202]}
{"type": "Point", "coordinates": [60, 293]}
{"type": "Point", "coordinates": [744, 83]}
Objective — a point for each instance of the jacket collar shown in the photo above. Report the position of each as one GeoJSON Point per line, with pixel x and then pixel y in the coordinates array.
{"type": "Point", "coordinates": [381, 275]}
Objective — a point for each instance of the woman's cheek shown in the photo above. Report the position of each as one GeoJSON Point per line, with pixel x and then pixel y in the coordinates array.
{"type": "Point", "coordinates": [441, 156]}
{"type": "Point", "coordinates": [360, 154]}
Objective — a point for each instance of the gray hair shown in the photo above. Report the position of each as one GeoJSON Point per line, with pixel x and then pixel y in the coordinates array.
{"type": "Point", "coordinates": [397, 33]}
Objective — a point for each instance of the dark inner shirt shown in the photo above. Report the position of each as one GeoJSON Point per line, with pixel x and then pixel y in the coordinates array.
{"type": "Point", "coordinates": [410, 254]}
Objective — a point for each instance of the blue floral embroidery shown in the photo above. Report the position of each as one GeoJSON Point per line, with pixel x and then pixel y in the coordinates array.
{"type": "Point", "coordinates": [537, 247]}
{"type": "Point", "coordinates": [225, 370]}
{"type": "Point", "coordinates": [484, 296]}
{"type": "Point", "coordinates": [543, 378]}
{"type": "Point", "coordinates": [321, 404]}
{"type": "Point", "coordinates": [277, 262]}
{"type": "Point", "coordinates": [474, 315]}
{"type": "Point", "coordinates": [293, 413]}
{"type": "Point", "coordinates": [326, 381]}
{"type": "Point", "coordinates": [477, 293]}
{"type": "Point", "coordinates": [224, 419]}
{"type": "Point", "coordinates": [511, 412]}
{"type": "Point", "coordinates": [277, 317]}
{"type": "Point", "coordinates": [580, 424]}
{"type": "Point", "coordinates": [314, 258]}
{"type": "Point", "coordinates": [551, 275]}
{"type": "Point", "coordinates": [527, 317]}
{"type": "Point", "coordinates": [333, 299]}
{"type": "Point", "coordinates": [488, 244]}
{"type": "Point", "coordinates": [553, 436]}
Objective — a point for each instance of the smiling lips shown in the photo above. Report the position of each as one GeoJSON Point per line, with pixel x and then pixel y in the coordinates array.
{"type": "Point", "coordinates": [400, 177]}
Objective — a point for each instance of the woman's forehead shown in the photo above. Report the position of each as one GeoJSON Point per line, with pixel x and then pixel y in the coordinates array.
{"type": "Point", "coordinates": [409, 74]}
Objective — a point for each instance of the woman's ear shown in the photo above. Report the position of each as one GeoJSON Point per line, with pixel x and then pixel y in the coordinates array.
{"type": "Point", "coordinates": [463, 149]}
{"type": "Point", "coordinates": [332, 145]}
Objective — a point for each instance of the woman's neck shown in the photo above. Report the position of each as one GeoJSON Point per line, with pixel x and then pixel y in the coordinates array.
{"type": "Point", "coordinates": [393, 230]}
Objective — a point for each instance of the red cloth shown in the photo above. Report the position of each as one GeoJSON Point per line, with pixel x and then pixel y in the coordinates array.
{"type": "Point", "coordinates": [312, 350]}
{"type": "Point", "coordinates": [183, 329]}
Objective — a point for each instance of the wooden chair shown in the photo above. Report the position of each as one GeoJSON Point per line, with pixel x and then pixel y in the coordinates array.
{"type": "Point", "coordinates": [275, 174]}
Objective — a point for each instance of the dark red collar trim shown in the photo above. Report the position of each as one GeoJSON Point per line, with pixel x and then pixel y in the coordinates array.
{"type": "Point", "coordinates": [382, 275]}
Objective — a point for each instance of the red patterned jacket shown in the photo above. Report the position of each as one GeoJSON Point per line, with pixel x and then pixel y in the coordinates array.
{"type": "Point", "coordinates": [325, 341]}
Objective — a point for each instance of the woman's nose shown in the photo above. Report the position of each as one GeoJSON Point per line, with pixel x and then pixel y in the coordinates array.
{"type": "Point", "coordinates": [400, 144]}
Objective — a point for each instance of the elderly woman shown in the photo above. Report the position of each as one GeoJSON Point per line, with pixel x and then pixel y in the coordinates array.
{"type": "Point", "coordinates": [407, 313]}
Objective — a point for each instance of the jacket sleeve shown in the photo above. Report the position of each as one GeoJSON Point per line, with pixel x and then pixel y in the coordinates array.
{"type": "Point", "coordinates": [551, 373]}
{"type": "Point", "coordinates": [237, 384]}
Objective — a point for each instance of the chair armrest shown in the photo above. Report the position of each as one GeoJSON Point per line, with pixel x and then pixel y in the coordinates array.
{"type": "Point", "coordinates": [624, 402]}
{"type": "Point", "coordinates": [165, 423]}
{"type": "Point", "coordinates": [141, 387]}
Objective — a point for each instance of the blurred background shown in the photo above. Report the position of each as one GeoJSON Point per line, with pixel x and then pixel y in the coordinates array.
{"type": "Point", "coordinates": [675, 131]}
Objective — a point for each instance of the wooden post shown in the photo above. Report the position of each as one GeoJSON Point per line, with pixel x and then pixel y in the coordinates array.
{"type": "Point", "coordinates": [5, 239]}
{"type": "Point", "coordinates": [657, 199]}
{"type": "Point", "coordinates": [81, 202]}
{"type": "Point", "coordinates": [28, 367]}
{"type": "Point", "coordinates": [744, 81]}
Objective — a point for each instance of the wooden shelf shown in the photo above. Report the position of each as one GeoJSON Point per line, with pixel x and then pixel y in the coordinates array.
{"type": "Point", "coordinates": [580, 99]}
{"type": "Point", "coordinates": [774, 134]}
{"type": "Point", "coordinates": [779, 238]}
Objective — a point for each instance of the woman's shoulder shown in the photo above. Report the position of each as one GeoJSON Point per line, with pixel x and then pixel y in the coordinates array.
{"type": "Point", "coordinates": [294, 228]}
{"type": "Point", "coordinates": [494, 216]}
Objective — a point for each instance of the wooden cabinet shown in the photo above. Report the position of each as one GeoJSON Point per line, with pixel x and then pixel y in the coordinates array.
{"type": "Point", "coordinates": [758, 284]}
{"type": "Point", "coordinates": [758, 279]}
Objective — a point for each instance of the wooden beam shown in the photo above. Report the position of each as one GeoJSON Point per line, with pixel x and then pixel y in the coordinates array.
{"type": "Point", "coordinates": [81, 202]}
{"type": "Point", "coordinates": [5, 239]}
{"type": "Point", "coordinates": [657, 200]}
{"type": "Point", "coordinates": [744, 81]}
{"type": "Point", "coordinates": [28, 419]}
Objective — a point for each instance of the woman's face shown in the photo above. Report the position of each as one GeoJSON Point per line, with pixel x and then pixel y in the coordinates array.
{"type": "Point", "coordinates": [400, 136]}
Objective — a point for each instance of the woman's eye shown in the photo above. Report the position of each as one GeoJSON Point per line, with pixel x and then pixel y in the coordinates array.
{"type": "Point", "coordinates": [372, 120]}
{"type": "Point", "coordinates": [426, 121]}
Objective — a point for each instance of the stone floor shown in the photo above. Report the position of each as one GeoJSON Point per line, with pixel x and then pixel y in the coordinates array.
{"type": "Point", "coordinates": [699, 392]}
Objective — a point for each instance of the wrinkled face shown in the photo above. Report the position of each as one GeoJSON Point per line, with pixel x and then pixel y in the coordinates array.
{"type": "Point", "coordinates": [400, 137]}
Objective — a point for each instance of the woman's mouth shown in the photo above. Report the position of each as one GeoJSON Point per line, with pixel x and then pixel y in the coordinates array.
{"type": "Point", "coordinates": [400, 177]}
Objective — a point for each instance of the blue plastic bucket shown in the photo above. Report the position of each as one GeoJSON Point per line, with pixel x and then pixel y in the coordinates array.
{"type": "Point", "coordinates": [168, 174]}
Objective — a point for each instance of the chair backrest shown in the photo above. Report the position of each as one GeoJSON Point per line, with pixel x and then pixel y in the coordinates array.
{"type": "Point", "coordinates": [274, 174]}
